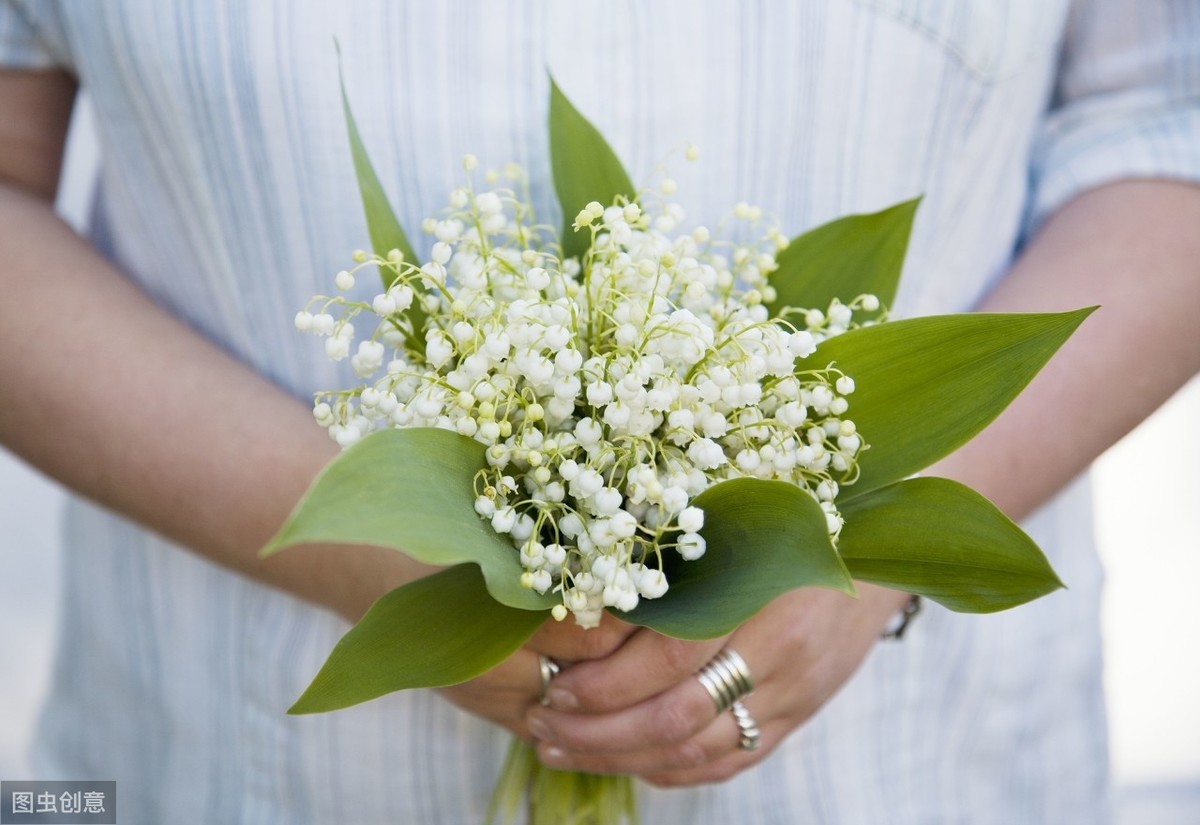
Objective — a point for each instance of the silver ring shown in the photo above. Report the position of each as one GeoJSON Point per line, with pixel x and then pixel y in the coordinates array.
{"type": "Point", "coordinates": [747, 727]}
{"type": "Point", "coordinates": [726, 678]}
{"type": "Point", "coordinates": [548, 668]}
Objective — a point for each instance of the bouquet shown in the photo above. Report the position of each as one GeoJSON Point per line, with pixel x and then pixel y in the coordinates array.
{"type": "Point", "coordinates": [622, 415]}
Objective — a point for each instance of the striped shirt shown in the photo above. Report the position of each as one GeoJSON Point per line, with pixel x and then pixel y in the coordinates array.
{"type": "Point", "coordinates": [227, 193]}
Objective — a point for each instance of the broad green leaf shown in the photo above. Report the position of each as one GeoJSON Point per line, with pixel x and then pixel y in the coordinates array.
{"type": "Point", "coordinates": [411, 490]}
{"type": "Point", "coordinates": [764, 538]}
{"type": "Point", "coordinates": [926, 386]}
{"type": "Point", "coordinates": [943, 540]}
{"type": "Point", "coordinates": [845, 258]}
{"type": "Point", "coordinates": [382, 223]}
{"type": "Point", "coordinates": [585, 168]}
{"type": "Point", "coordinates": [437, 631]}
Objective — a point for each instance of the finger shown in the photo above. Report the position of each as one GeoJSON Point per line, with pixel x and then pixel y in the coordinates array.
{"type": "Point", "coordinates": [670, 718]}
{"type": "Point", "coordinates": [725, 766]}
{"type": "Point", "coordinates": [715, 744]}
{"type": "Point", "coordinates": [504, 693]}
{"type": "Point", "coordinates": [568, 642]}
{"type": "Point", "coordinates": [520, 673]}
{"type": "Point", "coordinates": [646, 665]}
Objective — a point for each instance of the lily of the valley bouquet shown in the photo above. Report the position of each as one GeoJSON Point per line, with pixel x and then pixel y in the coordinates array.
{"type": "Point", "coordinates": [625, 415]}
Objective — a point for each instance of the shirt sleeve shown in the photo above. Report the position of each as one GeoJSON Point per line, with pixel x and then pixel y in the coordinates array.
{"type": "Point", "coordinates": [1126, 102]}
{"type": "Point", "coordinates": [21, 47]}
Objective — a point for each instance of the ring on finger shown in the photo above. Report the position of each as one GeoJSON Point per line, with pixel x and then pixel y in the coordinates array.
{"type": "Point", "coordinates": [727, 678]}
{"type": "Point", "coordinates": [548, 669]}
{"type": "Point", "coordinates": [748, 732]}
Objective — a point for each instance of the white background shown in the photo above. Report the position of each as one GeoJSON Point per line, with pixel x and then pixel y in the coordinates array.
{"type": "Point", "coordinates": [1148, 520]}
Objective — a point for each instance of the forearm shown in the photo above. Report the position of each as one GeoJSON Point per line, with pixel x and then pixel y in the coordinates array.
{"type": "Point", "coordinates": [1133, 248]}
{"type": "Point", "coordinates": [121, 402]}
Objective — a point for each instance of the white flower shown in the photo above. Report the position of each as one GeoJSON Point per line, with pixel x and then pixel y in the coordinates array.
{"type": "Point", "coordinates": [337, 347]}
{"type": "Point", "coordinates": [691, 546]}
{"type": "Point", "coordinates": [323, 324]}
{"type": "Point", "coordinates": [706, 454]}
{"type": "Point", "coordinates": [448, 231]}
{"type": "Point", "coordinates": [523, 527]}
{"type": "Point", "coordinates": [503, 519]}
{"type": "Point", "coordinates": [802, 344]}
{"type": "Point", "coordinates": [383, 305]}
{"type": "Point", "coordinates": [599, 393]}
{"type": "Point", "coordinates": [571, 525]}
{"type": "Point", "coordinates": [691, 519]}
{"type": "Point", "coordinates": [607, 501]}
{"type": "Point", "coordinates": [542, 581]}
{"type": "Point", "coordinates": [537, 278]}
{"type": "Point", "coordinates": [627, 600]}
{"type": "Point", "coordinates": [402, 295]}
{"type": "Point", "coordinates": [555, 554]}
{"type": "Point", "coordinates": [674, 498]}
{"type": "Point", "coordinates": [651, 584]}
{"type": "Point", "coordinates": [368, 359]}
{"type": "Point", "coordinates": [488, 203]}
{"type": "Point", "coordinates": [623, 524]}
{"type": "Point", "coordinates": [589, 483]}
{"type": "Point", "coordinates": [588, 432]}
{"type": "Point", "coordinates": [323, 414]}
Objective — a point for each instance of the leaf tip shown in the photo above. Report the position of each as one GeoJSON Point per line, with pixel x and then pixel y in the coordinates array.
{"type": "Point", "coordinates": [273, 546]}
{"type": "Point", "coordinates": [316, 697]}
{"type": "Point", "coordinates": [304, 707]}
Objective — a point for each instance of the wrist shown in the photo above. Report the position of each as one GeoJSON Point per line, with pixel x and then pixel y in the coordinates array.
{"type": "Point", "coordinates": [887, 606]}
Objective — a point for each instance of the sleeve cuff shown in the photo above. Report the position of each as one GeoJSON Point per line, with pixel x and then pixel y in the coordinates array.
{"type": "Point", "coordinates": [1082, 150]}
{"type": "Point", "coordinates": [20, 45]}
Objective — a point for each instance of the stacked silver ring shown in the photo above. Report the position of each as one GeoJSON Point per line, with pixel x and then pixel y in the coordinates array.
{"type": "Point", "coordinates": [747, 727]}
{"type": "Point", "coordinates": [726, 678]}
{"type": "Point", "coordinates": [548, 668]}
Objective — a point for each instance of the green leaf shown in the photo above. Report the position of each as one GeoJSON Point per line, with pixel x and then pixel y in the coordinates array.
{"type": "Point", "coordinates": [764, 538]}
{"type": "Point", "coordinates": [926, 386]}
{"type": "Point", "coordinates": [943, 540]}
{"type": "Point", "coordinates": [585, 169]}
{"type": "Point", "coordinates": [411, 490]}
{"type": "Point", "coordinates": [382, 224]}
{"type": "Point", "coordinates": [437, 631]}
{"type": "Point", "coordinates": [845, 258]}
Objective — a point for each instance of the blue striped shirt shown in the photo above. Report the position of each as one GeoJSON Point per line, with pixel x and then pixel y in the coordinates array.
{"type": "Point", "coordinates": [226, 192]}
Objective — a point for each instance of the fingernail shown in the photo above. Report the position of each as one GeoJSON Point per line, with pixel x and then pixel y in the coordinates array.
{"type": "Point", "coordinates": [552, 754]}
{"type": "Point", "coordinates": [562, 699]}
{"type": "Point", "coordinates": [539, 729]}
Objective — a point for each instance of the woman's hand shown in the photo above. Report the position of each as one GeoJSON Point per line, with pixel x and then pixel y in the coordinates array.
{"type": "Point", "coordinates": [505, 693]}
{"type": "Point", "coordinates": [642, 711]}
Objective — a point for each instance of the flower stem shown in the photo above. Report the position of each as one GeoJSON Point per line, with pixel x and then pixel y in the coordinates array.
{"type": "Point", "coordinates": [558, 797]}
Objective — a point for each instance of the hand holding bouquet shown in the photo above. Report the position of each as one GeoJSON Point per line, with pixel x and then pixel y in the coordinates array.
{"type": "Point", "coordinates": [626, 416]}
